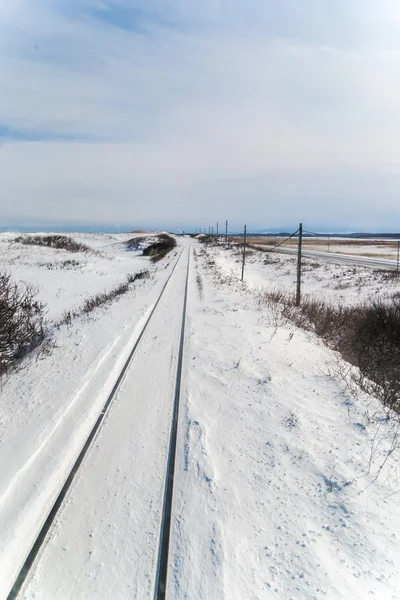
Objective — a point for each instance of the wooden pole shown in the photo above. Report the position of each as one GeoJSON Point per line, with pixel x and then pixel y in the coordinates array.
{"type": "Point", "coordinates": [226, 233]}
{"type": "Point", "coordinates": [298, 291]}
{"type": "Point", "coordinates": [244, 251]}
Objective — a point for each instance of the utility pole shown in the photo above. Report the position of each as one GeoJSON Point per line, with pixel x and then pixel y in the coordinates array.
{"type": "Point", "coordinates": [398, 255]}
{"type": "Point", "coordinates": [244, 251]}
{"type": "Point", "coordinates": [209, 230]}
{"type": "Point", "coordinates": [217, 228]}
{"type": "Point", "coordinates": [298, 292]}
{"type": "Point", "coordinates": [212, 230]}
{"type": "Point", "coordinates": [226, 233]}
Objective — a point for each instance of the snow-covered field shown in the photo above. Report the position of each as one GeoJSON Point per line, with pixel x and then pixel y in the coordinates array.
{"type": "Point", "coordinates": [281, 485]}
{"type": "Point", "coordinates": [368, 247]}
{"type": "Point", "coordinates": [328, 281]}
{"type": "Point", "coordinates": [66, 279]}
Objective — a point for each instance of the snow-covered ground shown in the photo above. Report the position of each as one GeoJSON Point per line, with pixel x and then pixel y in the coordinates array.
{"type": "Point", "coordinates": [281, 485]}
{"type": "Point", "coordinates": [104, 543]}
{"type": "Point", "coordinates": [361, 247]}
{"type": "Point", "coordinates": [48, 407]}
{"type": "Point", "coordinates": [276, 497]}
{"type": "Point", "coordinates": [328, 281]}
{"type": "Point", "coordinates": [66, 279]}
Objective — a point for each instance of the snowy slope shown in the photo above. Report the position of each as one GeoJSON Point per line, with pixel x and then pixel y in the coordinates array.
{"type": "Point", "coordinates": [66, 279]}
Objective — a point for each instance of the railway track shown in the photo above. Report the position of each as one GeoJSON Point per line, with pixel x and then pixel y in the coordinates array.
{"type": "Point", "coordinates": [82, 470]}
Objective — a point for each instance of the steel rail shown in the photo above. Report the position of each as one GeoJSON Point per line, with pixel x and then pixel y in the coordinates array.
{"type": "Point", "coordinates": [41, 537]}
{"type": "Point", "coordinates": [165, 528]}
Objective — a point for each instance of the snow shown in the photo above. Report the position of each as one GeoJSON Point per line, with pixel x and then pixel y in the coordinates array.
{"type": "Point", "coordinates": [106, 546]}
{"type": "Point", "coordinates": [328, 281]}
{"type": "Point", "coordinates": [276, 459]}
{"type": "Point", "coordinates": [377, 248]}
{"type": "Point", "coordinates": [48, 408]}
{"type": "Point", "coordinates": [281, 489]}
{"type": "Point", "coordinates": [62, 285]}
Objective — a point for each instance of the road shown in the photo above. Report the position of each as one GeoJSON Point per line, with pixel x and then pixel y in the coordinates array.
{"type": "Point", "coordinates": [341, 259]}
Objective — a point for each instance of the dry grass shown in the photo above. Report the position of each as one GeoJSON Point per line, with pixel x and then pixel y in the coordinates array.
{"type": "Point", "coordinates": [311, 242]}
{"type": "Point", "coordinates": [368, 248]}
{"type": "Point", "coordinates": [366, 335]}
{"type": "Point", "coordinates": [100, 299]}
{"type": "Point", "coordinates": [59, 242]}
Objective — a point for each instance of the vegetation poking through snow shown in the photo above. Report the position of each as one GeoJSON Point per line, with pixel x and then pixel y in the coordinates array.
{"type": "Point", "coordinates": [160, 249]}
{"type": "Point", "coordinates": [100, 299]}
{"type": "Point", "coordinates": [66, 265]}
{"type": "Point", "coordinates": [157, 247]}
{"type": "Point", "coordinates": [59, 242]}
{"type": "Point", "coordinates": [22, 324]}
{"type": "Point", "coordinates": [367, 336]}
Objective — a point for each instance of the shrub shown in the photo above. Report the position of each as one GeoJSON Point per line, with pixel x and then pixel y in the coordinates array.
{"type": "Point", "coordinates": [367, 336]}
{"type": "Point", "coordinates": [157, 247]}
{"type": "Point", "coordinates": [65, 264]}
{"type": "Point", "coordinates": [204, 239]}
{"type": "Point", "coordinates": [159, 250]}
{"type": "Point", "coordinates": [60, 242]}
{"type": "Point", "coordinates": [135, 243]}
{"type": "Point", "coordinates": [22, 326]}
{"type": "Point", "coordinates": [100, 299]}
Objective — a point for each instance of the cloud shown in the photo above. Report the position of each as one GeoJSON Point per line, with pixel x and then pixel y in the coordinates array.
{"type": "Point", "coordinates": [126, 110]}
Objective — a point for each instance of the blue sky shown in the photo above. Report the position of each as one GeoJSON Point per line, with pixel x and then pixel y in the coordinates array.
{"type": "Point", "coordinates": [182, 113]}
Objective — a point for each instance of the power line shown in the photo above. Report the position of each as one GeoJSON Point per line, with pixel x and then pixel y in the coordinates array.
{"type": "Point", "coordinates": [280, 243]}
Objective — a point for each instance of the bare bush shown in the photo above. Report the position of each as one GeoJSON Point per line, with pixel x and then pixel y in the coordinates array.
{"type": "Point", "coordinates": [367, 336]}
{"type": "Point", "coordinates": [204, 239]}
{"type": "Point", "coordinates": [160, 249]}
{"type": "Point", "coordinates": [291, 421]}
{"type": "Point", "coordinates": [66, 265]}
{"type": "Point", "coordinates": [386, 275]}
{"type": "Point", "coordinates": [157, 247]}
{"type": "Point", "coordinates": [59, 242]}
{"type": "Point", "coordinates": [22, 326]}
{"type": "Point", "coordinates": [135, 243]}
{"type": "Point", "coordinates": [199, 282]}
{"type": "Point", "coordinates": [100, 299]}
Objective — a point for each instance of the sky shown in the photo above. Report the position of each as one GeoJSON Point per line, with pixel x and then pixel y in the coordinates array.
{"type": "Point", "coordinates": [179, 113]}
